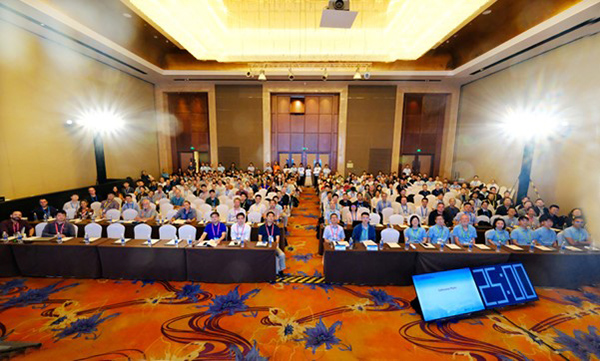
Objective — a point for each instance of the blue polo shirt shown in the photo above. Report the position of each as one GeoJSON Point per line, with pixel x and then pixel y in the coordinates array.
{"type": "Point", "coordinates": [577, 235]}
{"type": "Point", "coordinates": [214, 231]}
{"type": "Point", "coordinates": [522, 236]}
{"type": "Point", "coordinates": [544, 236]}
{"type": "Point", "coordinates": [437, 233]}
{"type": "Point", "coordinates": [497, 236]}
{"type": "Point", "coordinates": [464, 237]}
{"type": "Point", "coordinates": [414, 235]}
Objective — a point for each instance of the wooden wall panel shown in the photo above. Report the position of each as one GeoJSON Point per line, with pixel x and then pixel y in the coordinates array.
{"type": "Point", "coordinates": [191, 128]}
{"type": "Point", "coordinates": [314, 130]}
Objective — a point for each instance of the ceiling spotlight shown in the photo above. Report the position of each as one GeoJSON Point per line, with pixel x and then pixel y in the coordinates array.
{"type": "Point", "coordinates": [487, 12]}
{"type": "Point", "coordinates": [262, 76]}
{"type": "Point", "coordinates": [367, 75]}
{"type": "Point", "coordinates": [248, 74]}
{"type": "Point", "coordinates": [290, 75]}
{"type": "Point", "coordinates": [357, 75]}
{"type": "Point", "coordinates": [325, 75]}
{"type": "Point", "coordinates": [127, 15]}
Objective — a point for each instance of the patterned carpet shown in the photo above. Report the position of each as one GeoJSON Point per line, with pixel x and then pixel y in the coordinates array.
{"type": "Point", "coordinates": [106, 319]}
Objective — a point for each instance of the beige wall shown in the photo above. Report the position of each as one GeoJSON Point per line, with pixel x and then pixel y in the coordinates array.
{"type": "Point", "coordinates": [43, 84]}
{"type": "Point", "coordinates": [239, 122]}
{"type": "Point", "coordinates": [564, 170]}
{"type": "Point", "coordinates": [371, 112]}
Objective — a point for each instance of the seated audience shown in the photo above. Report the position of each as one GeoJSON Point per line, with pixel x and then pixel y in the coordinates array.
{"type": "Point", "coordinates": [59, 227]}
{"type": "Point", "coordinates": [333, 232]}
{"type": "Point", "coordinates": [438, 233]}
{"type": "Point", "coordinates": [270, 232]}
{"type": "Point", "coordinates": [545, 235]}
{"type": "Point", "coordinates": [44, 211]}
{"type": "Point", "coordinates": [364, 231]}
{"type": "Point", "coordinates": [84, 211]}
{"type": "Point", "coordinates": [16, 224]}
{"type": "Point", "coordinates": [93, 196]}
{"type": "Point", "coordinates": [215, 230]}
{"type": "Point", "coordinates": [464, 233]}
{"type": "Point", "coordinates": [146, 213]}
{"type": "Point", "coordinates": [129, 203]}
{"type": "Point", "coordinates": [522, 235]}
{"type": "Point", "coordinates": [240, 230]}
{"type": "Point", "coordinates": [577, 235]}
{"type": "Point", "coordinates": [72, 204]}
{"type": "Point", "coordinates": [109, 203]}
{"type": "Point", "coordinates": [498, 235]}
{"type": "Point", "coordinates": [186, 213]}
{"type": "Point", "coordinates": [414, 233]}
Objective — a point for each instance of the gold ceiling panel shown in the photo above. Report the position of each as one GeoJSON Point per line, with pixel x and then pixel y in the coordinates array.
{"type": "Point", "coordinates": [288, 30]}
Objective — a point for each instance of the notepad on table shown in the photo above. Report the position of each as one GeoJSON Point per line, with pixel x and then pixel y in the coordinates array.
{"type": "Point", "coordinates": [235, 243]}
{"type": "Point", "coordinates": [394, 245]}
{"type": "Point", "coordinates": [453, 246]}
{"type": "Point", "coordinates": [94, 239]}
{"type": "Point", "coordinates": [39, 239]}
{"type": "Point", "coordinates": [173, 242]}
{"type": "Point", "coordinates": [427, 245]}
{"type": "Point", "coordinates": [574, 249]}
{"type": "Point", "coordinates": [152, 241]}
{"type": "Point", "coordinates": [261, 244]}
{"type": "Point", "coordinates": [482, 247]}
{"type": "Point", "coordinates": [211, 243]}
{"type": "Point", "coordinates": [118, 241]}
{"type": "Point", "coordinates": [514, 248]}
{"type": "Point", "coordinates": [65, 239]}
{"type": "Point", "coordinates": [179, 221]}
{"type": "Point", "coordinates": [544, 248]}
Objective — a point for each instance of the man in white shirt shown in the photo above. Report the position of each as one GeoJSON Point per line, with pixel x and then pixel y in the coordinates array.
{"type": "Point", "coordinates": [257, 206]}
{"type": "Point", "coordinates": [405, 208]}
{"type": "Point", "coordinates": [237, 208]}
{"type": "Point", "coordinates": [73, 204]}
{"type": "Point", "coordinates": [423, 210]}
{"type": "Point", "coordinates": [333, 232]}
{"type": "Point", "coordinates": [240, 230]}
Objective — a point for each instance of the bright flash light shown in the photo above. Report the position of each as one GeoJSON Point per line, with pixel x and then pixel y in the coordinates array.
{"type": "Point", "coordinates": [530, 124]}
{"type": "Point", "coordinates": [101, 121]}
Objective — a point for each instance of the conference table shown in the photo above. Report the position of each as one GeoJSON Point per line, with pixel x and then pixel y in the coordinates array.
{"type": "Point", "coordinates": [378, 228]}
{"type": "Point", "coordinates": [395, 266]}
{"type": "Point", "coordinates": [109, 258]}
{"type": "Point", "coordinates": [130, 225]}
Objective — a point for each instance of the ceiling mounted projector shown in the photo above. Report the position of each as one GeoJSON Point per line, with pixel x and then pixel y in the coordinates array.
{"type": "Point", "coordinates": [338, 15]}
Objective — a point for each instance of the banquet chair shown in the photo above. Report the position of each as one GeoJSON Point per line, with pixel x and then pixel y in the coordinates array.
{"type": "Point", "coordinates": [93, 230]}
{"type": "Point", "coordinates": [115, 230]}
{"type": "Point", "coordinates": [142, 231]}
{"type": "Point", "coordinates": [39, 229]}
{"type": "Point", "coordinates": [187, 232]}
{"type": "Point", "coordinates": [390, 235]}
{"type": "Point", "coordinates": [113, 214]}
{"type": "Point", "coordinates": [129, 214]}
{"type": "Point", "coordinates": [167, 231]}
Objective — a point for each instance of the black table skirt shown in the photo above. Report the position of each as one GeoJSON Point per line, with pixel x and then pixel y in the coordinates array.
{"type": "Point", "coordinates": [441, 261]}
{"type": "Point", "coordinates": [41, 260]}
{"type": "Point", "coordinates": [151, 263]}
{"type": "Point", "coordinates": [230, 265]}
{"type": "Point", "coordinates": [8, 265]}
{"type": "Point", "coordinates": [369, 267]}
{"type": "Point", "coordinates": [560, 270]}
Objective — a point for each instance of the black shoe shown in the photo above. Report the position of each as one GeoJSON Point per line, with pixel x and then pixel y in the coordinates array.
{"type": "Point", "coordinates": [280, 274]}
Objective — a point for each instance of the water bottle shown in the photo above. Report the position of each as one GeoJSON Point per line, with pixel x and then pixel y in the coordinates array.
{"type": "Point", "coordinates": [86, 238]}
{"type": "Point", "coordinates": [270, 241]}
{"type": "Point", "coordinates": [35, 217]}
{"type": "Point", "coordinates": [406, 245]}
{"type": "Point", "coordinates": [498, 246]}
{"type": "Point", "coordinates": [189, 241]}
{"type": "Point", "coordinates": [5, 237]}
{"type": "Point", "coordinates": [45, 217]}
{"type": "Point", "coordinates": [243, 243]}
{"type": "Point", "coordinates": [351, 243]}
{"type": "Point", "coordinates": [149, 241]}
{"type": "Point", "coordinates": [19, 237]}
{"type": "Point", "coordinates": [442, 244]}
{"type": "Point", "coordinates": [122, 241]}
{"type": "Point", "coordinates": [531, 245]}
{"type": "Point", "coordinates": [471, 246]}
{"type": "Point", "coordinates": [381, 245]}
{"type": "Point", "coordinates": [58, 238]}
{"type": "Point", "coordinates": [563, 247]}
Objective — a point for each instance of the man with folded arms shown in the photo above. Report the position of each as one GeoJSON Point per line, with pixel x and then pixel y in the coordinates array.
{"type": "Point", "coordinates": [240, 230]}
{"type": "Point", "coordinates": [59, 226]}
{"type": "Point", "coordinates": [545, 235]}
{"type": "Point", "coordinates": [270, 231]}
{"type": "Point", "coordinates": [147, 213]}
{"type": "Point", "coordinates": [186, 213]}
{"type": "Point", "coordinates": [333, 232]}
{"type": "Point", "coordinates": [16, 224]}
{"type": "Point", "coordinates": [215, 230]}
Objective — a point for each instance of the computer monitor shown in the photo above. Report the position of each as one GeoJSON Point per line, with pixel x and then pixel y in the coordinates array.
{"type": "Point", "coordinates": [447, 294]}
{"type": "Point", "coordinates": [503, 285]}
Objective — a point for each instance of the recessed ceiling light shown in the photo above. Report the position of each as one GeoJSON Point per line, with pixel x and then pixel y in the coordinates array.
{"type": "Point", "coordinates": [127, 15]}
{"type": "Point", "coordinates": [488, 11]}
{"type": "Point", "coordinates": [42, 24]}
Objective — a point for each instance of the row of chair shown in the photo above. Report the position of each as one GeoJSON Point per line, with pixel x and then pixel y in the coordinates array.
{"type": "Point", "coordinates": [140, 231]}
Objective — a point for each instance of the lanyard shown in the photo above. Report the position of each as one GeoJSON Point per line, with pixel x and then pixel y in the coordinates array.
{"type": "Point", "coordinates": [215, 230]}
{"type": "Point", "coordinates": [405, 209]}
{"type": "Point", "coordinates": [272, 230]}
{"type": "Point", "coordinates": [423, 211]}
{"type": "Point", "coordinates": [62, 228]}
{"type": "Point", "coordinates": [439, 231]}
{"type": "Point", "coordinates": [527, 235]}
{"type": "Point", "coordinates": [498, 237]}
{"type": "Point", "coordinates": [411, 233]}
{"type": "Point", "coordinates": [463, 233]}
{"type": "Point", "coordinates": [334, 230]}
{"type": "Point", "coordinates": [15, 227]}
{"type": "Point", "coordinates": [238, 232]}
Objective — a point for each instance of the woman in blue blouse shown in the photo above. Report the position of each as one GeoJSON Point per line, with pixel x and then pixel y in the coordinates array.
{"type": "Point", "coordinates": [415, 233]}
{"type": "Point", "coordinates": [498, 234]}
